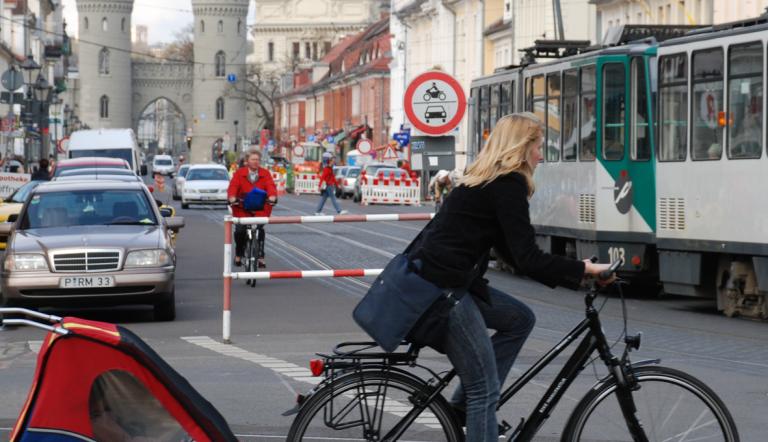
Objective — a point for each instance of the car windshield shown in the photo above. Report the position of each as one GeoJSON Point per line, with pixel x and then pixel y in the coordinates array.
{"type": "Point", "coordinates": [123, 154]}
{"type": "Point", "coordinates": [163, 162]}
{"type": "Point", "coordinates": [183, 171]}
{"type": "Point", "coordinates": [88, 208]}
{"type": "Point", "coordinates": [63, 168]}
{"type": "Point", "coordinates": [353, 173]}
{"type": "Point", "coordinates": [207, 175]}
{"type": "Point", "coordinates": [21, 194]}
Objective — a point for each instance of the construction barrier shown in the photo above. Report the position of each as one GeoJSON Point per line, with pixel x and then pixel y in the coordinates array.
{"type": "Point", "coordinates": [280, 180]}
{"type": "Point", "coordinates": [295, 274]}
{"type": "Point", "coordinates": [306, 183]}
{"type": "Point", "coordinates": [390, 190]}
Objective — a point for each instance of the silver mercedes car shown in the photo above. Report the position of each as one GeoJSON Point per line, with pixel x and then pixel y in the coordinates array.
{"type": "Point", "coordinates": [90, 243]}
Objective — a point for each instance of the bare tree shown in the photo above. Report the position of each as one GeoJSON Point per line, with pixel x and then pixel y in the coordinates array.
{"type": "Point", "coordinates": [182, 47]}
{"type": "Point", "coordinates": [259, 88]}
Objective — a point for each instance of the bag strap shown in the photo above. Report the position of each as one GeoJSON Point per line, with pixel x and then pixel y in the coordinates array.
{"type": "Point", "coordinates": [418, 237]}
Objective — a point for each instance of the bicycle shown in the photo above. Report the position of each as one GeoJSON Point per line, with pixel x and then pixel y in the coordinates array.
{"type": "Point", "coordinates": [254, 246]}
{"type": "Point", "coordinates": [370, 395]}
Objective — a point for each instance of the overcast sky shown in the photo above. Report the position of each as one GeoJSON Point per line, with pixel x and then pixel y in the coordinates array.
{"type": "Point", "coordinates": [163, 18]}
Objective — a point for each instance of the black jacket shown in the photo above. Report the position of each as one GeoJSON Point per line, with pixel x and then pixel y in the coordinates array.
{"type": "Point", "coordinates": [472, 221]}
{"type": "Point", "coordinates": [40, 175]}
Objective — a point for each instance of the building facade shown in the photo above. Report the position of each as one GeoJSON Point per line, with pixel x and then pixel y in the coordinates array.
{"type": "Point", "coordinates": [612, 13]}
{"type": "Point", "coordinates": [119, 88]}
{"type": "Point", "coordinates": [344, 95]}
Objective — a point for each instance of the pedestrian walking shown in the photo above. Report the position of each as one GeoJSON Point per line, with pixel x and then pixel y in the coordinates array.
{"type": "Point", "coordinates": [42, 173]}
{"type": "Point", "coordinates": [328, 187]}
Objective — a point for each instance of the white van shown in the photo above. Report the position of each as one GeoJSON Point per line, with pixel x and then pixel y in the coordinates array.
{"type": "Point", "coordinates": [111, 143]}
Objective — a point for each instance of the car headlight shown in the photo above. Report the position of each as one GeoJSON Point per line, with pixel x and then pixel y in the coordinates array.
{"type": "Point", "coordinates": [190, 190]}
{"type": "Point", "coordinates": [148, 258]}
{"type": "Point", "coordinates": [25, 263]}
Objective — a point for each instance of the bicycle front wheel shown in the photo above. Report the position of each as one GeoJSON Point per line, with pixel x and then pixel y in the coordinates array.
{"type": "Point", "coordinates": [671, 406]}
{"type": "Point", "coordinates": [366, 406]}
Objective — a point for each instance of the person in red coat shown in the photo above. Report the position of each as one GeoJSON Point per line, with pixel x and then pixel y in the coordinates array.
{"type": "Point", "coordinates": [328, 188]}
{"type": "Point", "coordinates": [243, 181]}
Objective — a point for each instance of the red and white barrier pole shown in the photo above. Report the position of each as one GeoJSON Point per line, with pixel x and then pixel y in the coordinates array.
{"type": "Point", "coordinates": [299, 274]}
{"type": "Point", "coordinates": [335, 219]}
{"type": "Point", "coordinates": [226, 325]}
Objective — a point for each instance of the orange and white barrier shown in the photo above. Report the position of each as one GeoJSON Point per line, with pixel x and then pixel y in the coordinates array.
{"type": "Point", "coordinates": [306, 183]}
{"type": "Point", "coordinates": [280, 180]}
{"type": "Point", "coordinates": [390, 190]}
{"type": "Point", "coordinates": [294, 274]}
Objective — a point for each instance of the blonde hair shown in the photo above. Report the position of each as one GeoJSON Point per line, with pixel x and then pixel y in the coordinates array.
{"type": "Point", "coordinates": [507, 150]}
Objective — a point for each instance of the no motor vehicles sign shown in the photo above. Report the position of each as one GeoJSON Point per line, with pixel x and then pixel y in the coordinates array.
{"type": "Point", "coordinates": [434, 103]}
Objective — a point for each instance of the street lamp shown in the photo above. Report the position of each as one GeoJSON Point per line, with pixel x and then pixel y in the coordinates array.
{"type": "Point", "coordinates": [236, 123]}
{"type": "Point", "coordinates": [67, 116]}
{"type": "Point", "coordinates": [43, 95]}
{"type": "Point", "coordinates": [56, 103]}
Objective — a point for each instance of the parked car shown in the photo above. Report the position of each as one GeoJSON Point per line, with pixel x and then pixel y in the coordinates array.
{"type": "Point", "coordinates": [370, 170]}
{"type": "Point", "coordinates": [163, 164]}
{"type": "Point", "coordinates": [111, 143]}
{"type": "Point", "coordinates": [178, 182]}
{"type": "Point", "coordinates": [13, 166]}
{"type": "Point", "coordinates": [90, 243]}
{"type": "Point", "coordinates": [338, 174]}
{"type": "Point", "coordinates": [13, 204]}
{"type": "Point", "coordinates": [205, 184]}
{"type": "Point", "coordinates": [89, 163]}
{"type": "Point", "coordinates": [346, 184]}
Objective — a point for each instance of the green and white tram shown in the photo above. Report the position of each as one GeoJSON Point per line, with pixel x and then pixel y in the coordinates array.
{"type": "Point", "coordinates": [682, 200]}
{"type": "Point", "coordinates": [712, 172]}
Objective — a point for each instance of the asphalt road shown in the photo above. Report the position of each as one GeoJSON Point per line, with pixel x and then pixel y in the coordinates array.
{"type": "Point", "coordinates": [287, 321]}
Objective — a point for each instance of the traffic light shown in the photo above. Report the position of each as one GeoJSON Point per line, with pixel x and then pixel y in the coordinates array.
{"type": "Point", "coordinates": [189, 143]}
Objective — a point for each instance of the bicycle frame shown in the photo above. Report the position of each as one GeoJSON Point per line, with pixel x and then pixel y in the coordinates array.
{"type": "Point", "coordinates": [593, 340]}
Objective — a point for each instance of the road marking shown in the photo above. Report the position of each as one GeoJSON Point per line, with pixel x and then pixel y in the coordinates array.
{"type": "Point", "coordinates": [297, 373]}
{"type": "Point", "coordinates": [34, 346]}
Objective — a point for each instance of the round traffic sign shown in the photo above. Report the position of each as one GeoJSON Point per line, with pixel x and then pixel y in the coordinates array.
{"type": "Point", "coordinates": [298, 150]}
{"type": "Point", "coordinates": [364, 146]}
{"type": "Point", "coordinates": [435, 103]}
{"type": "Point", "coordinates": [12, 79]}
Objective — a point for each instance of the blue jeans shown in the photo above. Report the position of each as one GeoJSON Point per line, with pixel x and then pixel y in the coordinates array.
{"type": "Point", "coordinates": [483, 362]}
{"type": "Point", "coordinates": [329, 192]}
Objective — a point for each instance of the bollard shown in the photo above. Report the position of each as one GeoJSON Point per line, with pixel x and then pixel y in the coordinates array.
{"type": "Point", "coordinates": [226, 320]}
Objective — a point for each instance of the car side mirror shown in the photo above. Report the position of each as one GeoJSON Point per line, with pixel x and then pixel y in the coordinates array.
{"type": "Point", "coordinates": [174, 223]}
{"type": "Point", "coordinates": [159, 203]}
{"type": "Point", "coordinates": [12, 218]}
{"type": "Point", "coordinates": [144, 170]}
{"type": "Point", "coordinates": [5, 228]}
{"type": "Point", "coordinates": [166, 212]}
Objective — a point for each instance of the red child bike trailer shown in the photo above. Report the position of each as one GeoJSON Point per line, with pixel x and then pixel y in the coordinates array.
{"type": "Point", "coordinates": [100, 382]}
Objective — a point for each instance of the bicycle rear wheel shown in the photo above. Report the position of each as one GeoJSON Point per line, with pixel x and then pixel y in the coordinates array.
{"type": "Point", "coordinates": [671, 406]}
{"type": "Point", "coordinates": [366, 406]}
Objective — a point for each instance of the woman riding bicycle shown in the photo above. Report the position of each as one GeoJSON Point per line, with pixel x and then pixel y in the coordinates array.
{"type": "Point", "coordinates": [244, 180]}
{"type": "Point", "coordinates": [489, 209]}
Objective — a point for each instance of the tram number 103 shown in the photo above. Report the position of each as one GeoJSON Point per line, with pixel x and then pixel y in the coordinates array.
{"type": "Point", "coordinates": [617, 253]}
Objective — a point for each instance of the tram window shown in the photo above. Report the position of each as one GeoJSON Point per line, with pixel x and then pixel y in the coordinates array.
{"type": "Point", "coordinates": [570, 114]}
{"type": "Point", "coordinates": [614, 97]}
{"type": "Point", "coordinates": [588, 114]}
{"type": "Point", "coordinates": [641, 136]}
{"type": "Point", "coordinates": [553, 117]}
{"type": "Point", "coordinates": [528, 95]}
{"type": "Point", "coordinates": [495, 91]}
{"type": "Point", "coordinates": [506, 99]}
{"type": "Point", "coordinates": [673, 107]}
{"type": "Point", "coordinates": [485, 130]}
{"type": "Point", "coordinates": [539, 99]}
{"type": "Point", "coordinates": [706, 128]}
{"type": "Point", "coordinates": [474, 140]}
{"type": "Point", "coordinates": [745, 101]}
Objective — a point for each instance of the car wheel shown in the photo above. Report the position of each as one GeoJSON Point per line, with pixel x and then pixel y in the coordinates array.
{"type": "Point", "coordinates": [176, 197]}
{"type": "Point", "coordinates": [184, 205]}
{"type": "Point", "coordinates": [356, 197]}
{"type": "Point", "coordinates": [165, 310]}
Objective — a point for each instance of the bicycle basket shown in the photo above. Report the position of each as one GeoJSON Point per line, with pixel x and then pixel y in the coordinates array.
{"type": "Point", "coordinates": [255, 200]}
